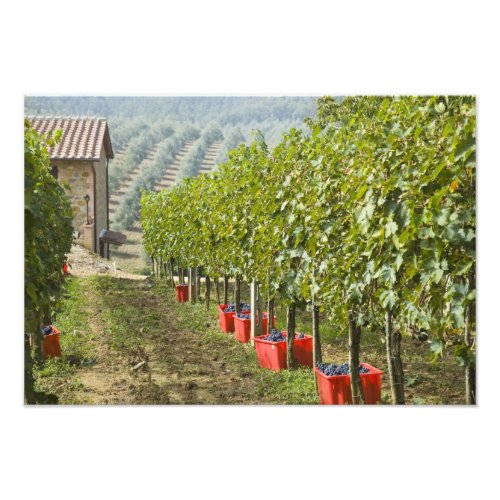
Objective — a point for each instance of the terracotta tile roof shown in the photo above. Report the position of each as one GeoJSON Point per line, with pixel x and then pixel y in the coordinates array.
{"type": "Point", "coordinates": [81, 139]}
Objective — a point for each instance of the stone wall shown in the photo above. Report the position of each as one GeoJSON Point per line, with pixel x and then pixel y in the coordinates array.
{"type": "Point", "coordinates": [79, 176]}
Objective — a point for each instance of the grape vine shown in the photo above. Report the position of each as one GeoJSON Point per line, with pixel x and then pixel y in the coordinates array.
{"type": "Point", "coordinates": [369, 216]}
{"type": "Point", "coordinates": [48, 234]}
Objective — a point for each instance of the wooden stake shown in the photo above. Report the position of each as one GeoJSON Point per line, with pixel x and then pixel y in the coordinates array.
{"type": "Point", "coordinates": [394, 363]}
{"type": "Point", "coordinates": [237, 294]}
{"type": "Point", "coordinates": [226, 288]}
{"type": "Point", "coordinates": [197, 289]}
{"type": "Point", "coordinates": [316, 340]}
{"type": "Point", "coordinates": [217, 291]}
{"type": "Point", "coordinates": [253, 307]}
{"type": "Point", "coordinates": [290, 336]}
{"type": "Point", "coordinates": [354, 347]}
{"type": "Point", "coordinates": [207, 292]}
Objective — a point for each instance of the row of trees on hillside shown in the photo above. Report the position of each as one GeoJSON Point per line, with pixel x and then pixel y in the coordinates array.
{"type": "Point", "coordinates": [370, 218]}
{"type": "Point", "coordinates": [192, 162]}
{"type": "Point", "coordinates": [233, 137]}
{"type": "Point", "coordinates": [136, 151]}
{"type": "Point", "coordinates": [152, 173]}
{"type": "Point", "coordinates": [123, 130]}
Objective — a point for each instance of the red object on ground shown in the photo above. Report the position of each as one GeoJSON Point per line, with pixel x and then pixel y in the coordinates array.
{"type": "Point", "coordinates": [66, 268]}
{"type": "Point", "coordinates": [242, 327]}
{"type": "Point", "coordinates": [182, 293]}
{"type": "Point", "coordinates": [272, 355]}
{"type": "Point", "coordinates": [51, 346]}
{"type": "Point", "coordinates": [336, 389]}
{"type": "Point", "coordinates": [226, 320]}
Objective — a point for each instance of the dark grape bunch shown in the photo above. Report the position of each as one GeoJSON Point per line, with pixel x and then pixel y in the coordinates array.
{"type": "Point", "coordinates": [47, 330]}
{"type": "Point", "coordinates": [334, 369]}
{"type": "Point", "coordinates": [232, 307]}
{"type": "Point", "coordinates": [248, 316]}
{"type": "Point", "coordinates": [275, 336]}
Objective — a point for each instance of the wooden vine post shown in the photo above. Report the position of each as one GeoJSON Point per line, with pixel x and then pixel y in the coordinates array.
{"type": "Point", "coordinates": [255, 314]}
{"type": "Point", "coordinates": [217, 291]}
{"type": "Point", "coordinates": [270, 306]}
{"type": "Point", "coordinates": [207, 292]}
{"type": "Point", "coordinates": [193, 283]}
{"type": "Point", "coordinates": [237, 294]}
{"type": "Point", "coordinates": [226, 288]}
{"type": "Point", "coordinates": [172, 272]}
{"type": "Point", "coordinates": [258, 322]}
{"type": "Point", "coordinates": [470, 369]}
{"type": "Point", "coordinates": [290, 335]}
{"type": "Point", "coordinates": [354, 349]}
{"type": "Point", "coordinates": [395, 366]}
{"type": "Point", "coordinates": [199, 271]}
{"type": "Point", "coordinates": [317, 358]}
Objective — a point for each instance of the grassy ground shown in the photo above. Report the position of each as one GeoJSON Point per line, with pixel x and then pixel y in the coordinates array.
{"type": "Point", "coordinates": [110, 325]}
{"type": "Point", "coordinates": [428, 383]}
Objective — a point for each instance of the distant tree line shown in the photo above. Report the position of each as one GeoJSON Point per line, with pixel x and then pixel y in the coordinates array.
{"type": "Point", "coordinates": [201, 111]}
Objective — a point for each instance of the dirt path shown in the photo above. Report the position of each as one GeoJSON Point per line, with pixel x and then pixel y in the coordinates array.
{"type": "Point", "coordinates": [144, 354]}
{"type": "Point", "coordinates": [86, 263]}
{"type": "Point", "coordinates": [140, 346]}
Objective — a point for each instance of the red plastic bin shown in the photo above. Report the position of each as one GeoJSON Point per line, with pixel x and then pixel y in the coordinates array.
{"type": "Point", "coordinates": [242, 327]}
{"type": "Point", "coordinates": [226, 320]}
{"type": "Point", "coordinates": [336, 389]}
{"type": "Point", "coordinates": [51, 346]}
{"type": "Point", "coordinates": [272, 355]}
{"type": "Point", "coordinates": [182, 293]}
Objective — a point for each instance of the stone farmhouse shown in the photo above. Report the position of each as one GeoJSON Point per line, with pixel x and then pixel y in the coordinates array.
{"type": "Point", "coordinates": [81, 160]}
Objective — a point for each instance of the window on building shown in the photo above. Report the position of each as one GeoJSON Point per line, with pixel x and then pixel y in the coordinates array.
{"type": "Point", "coordinates": [54, 171]}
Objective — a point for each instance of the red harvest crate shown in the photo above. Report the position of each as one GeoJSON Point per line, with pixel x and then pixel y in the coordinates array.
{"type": "Point", "coordinates": [336, 389]}
{"type": "Point", "coordinates": [242, 327]}
{"type": "Point", "coordinates": [51, 346]}
{"type": "Point", "coordinates": [226, 320]}
{"type": "Point", "coordinates": [272, 355]}
{"type": "Point", "coordinates": [182, 293]}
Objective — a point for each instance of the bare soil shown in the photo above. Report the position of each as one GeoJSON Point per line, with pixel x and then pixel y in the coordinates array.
{"type": "Point", "coordinates": [86, 263]}
{"type": "Point", "coordinates": [179, 366]}
{"type": "Point", "coordinates": [164, 362]}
